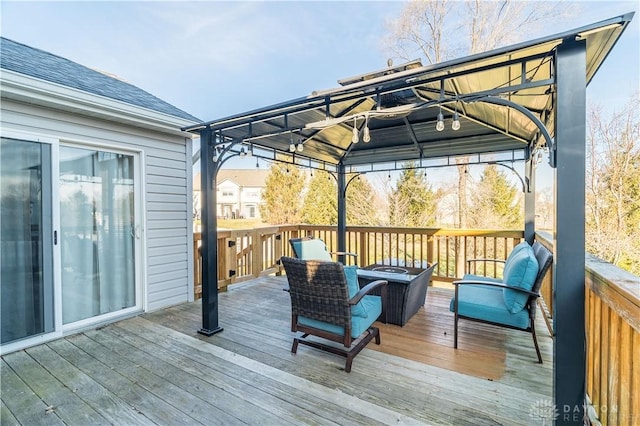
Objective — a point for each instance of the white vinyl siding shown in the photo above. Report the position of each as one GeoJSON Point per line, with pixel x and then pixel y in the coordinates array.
{"type": "Point", "coordinates": [166, 165]}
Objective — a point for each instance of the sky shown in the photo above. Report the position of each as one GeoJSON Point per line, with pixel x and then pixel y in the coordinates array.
{"type": "Point", "coordinates": [214, 59]}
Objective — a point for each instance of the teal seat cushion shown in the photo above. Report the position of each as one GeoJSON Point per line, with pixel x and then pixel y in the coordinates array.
{"type": "Point", "coordinates": [520, 271]}
{"type": "Point", "coordinates": [359, 309]}
{"type": "Point", "coordinates": [314, 249]}
{"type": "Point", "coordinates": [487, 304]}
{"type": "Point", "coordinates": [359, 324]}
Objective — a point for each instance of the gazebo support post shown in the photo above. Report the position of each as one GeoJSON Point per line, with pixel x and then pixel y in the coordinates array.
{"type": "Point", "coordinates": [569, 367]}
{"type": "Point", "coordinates": [209, 229]}
{"type": "Point", "coordinates": [529, 201]}
{"type": "Point", "coordinates": [342, 210]}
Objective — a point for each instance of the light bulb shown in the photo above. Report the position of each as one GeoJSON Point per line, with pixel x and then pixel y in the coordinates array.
{"type": "Point", "coordinates": [366, 135]}
{"type": "Point", "coordinates": [250, 151]}
{"type": "Point", "coordinates": [300, 147]}
{"type": "Point", "coordinates": [242, 153]}
{"type": "Point", "coordinates": [455, 124]}
{"type": "Point", "coordinates": [215, 157]}
{"type": "Point", "coordinates": [440, 123]}
{"type": "Point", "coordinates": [355, 137]}
{"type": "Point", "coordinates": [292, 147]}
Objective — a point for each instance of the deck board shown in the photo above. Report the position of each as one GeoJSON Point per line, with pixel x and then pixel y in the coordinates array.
{"type": "Point", "coordinates": [57, 398]}
{"type": "Point", "coordinates": [156, 369]}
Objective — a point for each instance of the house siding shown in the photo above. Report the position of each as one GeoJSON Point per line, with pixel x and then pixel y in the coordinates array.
{"type": "Point", "coordinates": [167, 210]}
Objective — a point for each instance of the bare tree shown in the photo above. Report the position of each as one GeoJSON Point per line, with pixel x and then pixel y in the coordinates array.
{"type": "Point", "coordinates": [438, 30]}
{"type": "Point", "coordinates": [613, 185]}
{"type": "Point", "coordinates": [418, 31]}
{"type": "Point", "coordinates": [443, 29]}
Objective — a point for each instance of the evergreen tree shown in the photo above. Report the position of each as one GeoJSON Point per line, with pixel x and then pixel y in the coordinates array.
{"type": "Point", "coordinates": [413, 203]}
{"type": "Point", "coordinates": [321, 204]}
{"type": "Point", "coordinates": [282, 195]}
{"type": "Point", "coordinates": [496, 203]}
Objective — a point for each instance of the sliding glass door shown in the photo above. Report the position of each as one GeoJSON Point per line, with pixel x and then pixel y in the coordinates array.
{"type": "Point", "coordinates": [98, 232]}
{"type": "Point", "coordinates": [26, 235]}
{"type": "Point", "coordinates": [69, 244]}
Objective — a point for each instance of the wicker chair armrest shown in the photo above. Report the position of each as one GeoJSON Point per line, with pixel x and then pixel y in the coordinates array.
{"type": "Point", "coordinates": [367, 289]}
{"type": "Point", "coordinates": [499, 285]}
{"type": "Point", "coordinates": [469, 261]}
{"type": "Point", "coordinates": [485, 260]}
{"type": "Point", "coordinates": [345, 253]}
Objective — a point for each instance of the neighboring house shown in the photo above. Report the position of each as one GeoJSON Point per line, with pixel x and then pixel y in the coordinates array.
{"type": "Point", "coordinates": [239, 193]}
{"type": "Point", "coordinates": [95, 214]}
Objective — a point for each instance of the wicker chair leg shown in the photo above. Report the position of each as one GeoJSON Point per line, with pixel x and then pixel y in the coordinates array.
{"type": "Point", "coordinates": [455, 320]}
{"type": "Point", "coordinates": [377, 334]}
{"type": "Point", "coordinates": [347, 367]}
{"type": "Point", "coordinates": [294, 347]}
{"type": "Point", "coordinates": [455, 331]}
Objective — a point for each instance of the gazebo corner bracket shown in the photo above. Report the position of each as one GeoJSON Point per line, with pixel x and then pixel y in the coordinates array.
{"type": "Point", "coordinates": [539, 124]}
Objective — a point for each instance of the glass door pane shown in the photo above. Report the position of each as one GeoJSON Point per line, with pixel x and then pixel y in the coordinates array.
{"type": "Point", "coordinates": [26, 278]}
{"type": "Point", "coordinates": [97, 232]}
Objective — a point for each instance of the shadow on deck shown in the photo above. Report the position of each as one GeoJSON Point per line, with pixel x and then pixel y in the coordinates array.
{"type": "Point", "coordinates": [156, 369]}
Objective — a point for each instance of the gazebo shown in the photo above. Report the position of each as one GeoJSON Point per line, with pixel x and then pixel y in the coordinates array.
{"type": "Point", "coordinates": [506, 105]}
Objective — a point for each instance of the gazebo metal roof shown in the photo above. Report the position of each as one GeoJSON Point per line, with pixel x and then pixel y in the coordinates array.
{"type": "Point", "coordinates": [400, 106]}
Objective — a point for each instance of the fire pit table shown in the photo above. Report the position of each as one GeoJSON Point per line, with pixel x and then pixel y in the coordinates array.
{"type": "Point", "coordinates": [406, 292]}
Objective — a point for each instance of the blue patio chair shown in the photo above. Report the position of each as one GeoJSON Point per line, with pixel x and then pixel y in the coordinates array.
{"type": "Point", "coordinates": [510, 302]}
{"type": "Point", "coordinates": [327, 302]}
{"type": "Point", "coordinates": [309, 248]}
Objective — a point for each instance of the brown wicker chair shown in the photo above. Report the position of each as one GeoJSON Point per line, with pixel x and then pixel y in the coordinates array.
{"type": "Point", "coordinates": [321, 306]}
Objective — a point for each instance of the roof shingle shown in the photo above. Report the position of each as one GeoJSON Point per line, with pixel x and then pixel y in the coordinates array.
{"type": "Point", "coordinates": [37, 63]}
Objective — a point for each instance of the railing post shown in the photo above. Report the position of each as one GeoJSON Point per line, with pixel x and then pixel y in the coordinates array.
{"type": "Point", "coordinates": [197, 266]}
{"type": "Point", "coordinates": [257, 252]}
{"type": "Point", "coordinates": [278, 249]}
{"type": "Point", "coordinates": [460, 254]}
{"type": "Point", "coordinates": [430, 249]}
{"type": "Point", "coordinates": [363, 250]}
{"type": "Point", "coordinates": [221, 279]}
{"type": "Point", "coordinates": [231, 251]}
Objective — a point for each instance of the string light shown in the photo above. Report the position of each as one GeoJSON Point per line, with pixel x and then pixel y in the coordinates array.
{"type": "Point", "coordinates": [292, 146]}
{"type": "Point", "coordinates": [366, 136]}
{"type": "Point", "coordinates": [440, 123]}
{"type": "Point", "coordinates": [455, 124]}
{"type": "Point", "coordinates": [355, 138]}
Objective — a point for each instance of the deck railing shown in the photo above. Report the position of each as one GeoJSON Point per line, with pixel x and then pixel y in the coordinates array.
{"type": "Point", "coordinates": [612, 296]}
{"type": "Point", "coordinates": [249, 253]}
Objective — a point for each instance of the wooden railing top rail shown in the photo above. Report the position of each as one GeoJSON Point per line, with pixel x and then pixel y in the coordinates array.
{"type": "Point", "coordinates": [225, 233]}
{"type": "Point", "coordinates": [423, 231]}
{"type": "Point", "coordinates": [616, 287]}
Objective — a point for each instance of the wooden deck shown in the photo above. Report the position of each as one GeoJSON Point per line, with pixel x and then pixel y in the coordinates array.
{"type": "Point", "coordinates": [155, 369]}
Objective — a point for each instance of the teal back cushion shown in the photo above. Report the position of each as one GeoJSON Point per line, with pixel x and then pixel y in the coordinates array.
{"type": "Point", "coordinates": [522, 246]}
{"type": "Point", "coordinates": [314, 249]}
{"type": "Point", "coordinates": [359, 309]}
{"type": "Point", "coordinates": [520, 270]}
